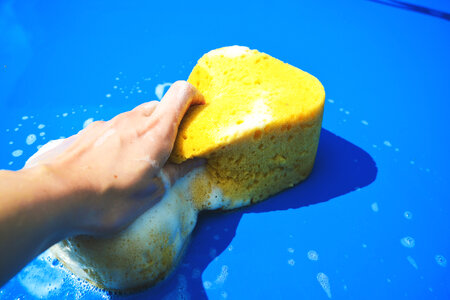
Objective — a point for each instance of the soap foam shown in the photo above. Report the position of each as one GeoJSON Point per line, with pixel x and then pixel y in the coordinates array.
{"type": "Point", "coordinates": [230, 52]}
{"type": "Point", "coordinates": [259, 117]}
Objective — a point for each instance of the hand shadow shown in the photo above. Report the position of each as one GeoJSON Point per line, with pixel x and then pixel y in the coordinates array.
{"type": "Point", "coordinates": [340, 168]}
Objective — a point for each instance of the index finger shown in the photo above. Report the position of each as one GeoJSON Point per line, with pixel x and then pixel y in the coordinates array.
{"type": "Point", "coordinates": [167, 116]}
{"type": "Point", "coordinates": [176, 102]}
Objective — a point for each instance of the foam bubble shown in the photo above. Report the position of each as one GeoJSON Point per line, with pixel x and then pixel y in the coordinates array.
{"type": "Point", "coordinates": [290, 250]}
{"type": "Point", "coordinates": [25, 118]}
{"type": "Point", "coordinates": [364, 122]}
{"type": "Point", "coordinates": [313, 255]}
{"type": "Point", "coordinates": [324, 282]}
{"type": "Point", "coordinates": [224, 295]}
{"type": "Point", "coordinates": [39, 283]}
{"type": "Point", "coordinates": [41, 126]}
{"type": "Point", "coordinates": [408, 215]}
{"type": "Point", "coordinates": [108, 95]}
{"type": "Point", "coordinates": [65, 114]}
{"type": "Point", "coordinates": [207, 284]}
{"type": "Point", "coordinates": [231, 51]}
{"type": "Point", "coordinates": [408, 242]}
{"type": "Point", "coordinates": [441, 260]}
{"type": "Point", "coordinates": [387, 144]}
{"type": "Point", "coordinates": [374, 206]}
{"type": "Point", "coordinates": [30, 139]}
{"type": "Point", "coordinates": [291, 262]}
{"type": "Point", "coordinates": [17, 153]}
{"type": "Point", "coordinates": [87, 122]}
{"type": "Point", "coordinates": [159, 89]}
{"type": "Point", "coordinates": [42, 133]}
{"type": "Point", "coordinates": [223, 275]}
{"type": "Point", "coordinates": [331, 100]}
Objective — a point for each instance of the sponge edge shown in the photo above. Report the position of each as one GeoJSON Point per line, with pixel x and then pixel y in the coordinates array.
{"type": "Point", "coordinates": [259, 128]}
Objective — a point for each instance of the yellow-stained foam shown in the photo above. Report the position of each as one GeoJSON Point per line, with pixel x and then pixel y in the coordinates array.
{"type": "Point", "coordinates": [259, 128]}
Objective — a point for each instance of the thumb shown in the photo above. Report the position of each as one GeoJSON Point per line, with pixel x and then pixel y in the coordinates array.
{"type": "Point", "coordinates": [175, 171]}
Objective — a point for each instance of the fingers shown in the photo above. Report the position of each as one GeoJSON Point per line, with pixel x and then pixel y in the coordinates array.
{"type": "Point", "coordinates": [173, 171]}
{"type": "Point", "coordinates": [146, 109]}
{"type": "Point", "coordinates": [174, 105]}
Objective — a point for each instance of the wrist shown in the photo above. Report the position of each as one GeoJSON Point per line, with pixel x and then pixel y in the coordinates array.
{"type": "Point", "coordinates": [53, 198]}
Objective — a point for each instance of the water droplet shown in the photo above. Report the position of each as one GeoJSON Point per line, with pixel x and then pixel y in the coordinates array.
{"type": "Point", "coordinates": [374, 206]}
{"type": "Point", "coordinates": [41, 126]}
{"type": "Point", "coordinates": [159, 89]}
{"type": "Point", "coordinates": [17, 153]}
{"type": "Point", "coordinates": [290, 250]}
{"type": "Point", "coordinates": [87, 122]}
{"type": "Point", "coordinates": [408, 215]}
{"type": "Point", "coordinates": [291, 262]}
{"type": "Point", "coordinates": [408, 242]}
{"type": "Point", "coordinates": [30, 139]}
{"type": "Point", "coordinates": [331, 100]}
{"type": "Point", "coordinates": [25, 118]}
{"type": "Point", "coordinates": [387, 144]}
{"type": "Point", "coordinates": [324, 282]}
{"type": "Point", "coordinates": [42, 133]}
{"type": "Point", "coordinates": [364, 122]}
{"type": "Point", "coordinates": [223, 275]}
{"type": "Point", "coordinates": [441, 260]}
{"type": "Point", "coordinates": [313, 255]}
{"type": "Point", "coordinates": [108, 95]}
{"type": "Point", "coordinates": [207, 284]}
{"type": "Point", "coordinates": [412, 262]}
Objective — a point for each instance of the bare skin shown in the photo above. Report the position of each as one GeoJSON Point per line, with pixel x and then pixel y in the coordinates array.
{"type": "Point", "coordinates": [104, 180]}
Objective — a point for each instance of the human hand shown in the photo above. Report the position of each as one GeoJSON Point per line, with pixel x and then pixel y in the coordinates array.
{"type": "Point", "coordinates": [110, 171]}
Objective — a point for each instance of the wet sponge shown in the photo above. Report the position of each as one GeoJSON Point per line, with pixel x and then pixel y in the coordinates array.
{"type": "Point", "coordinates": [259, 131]}
{"type": "Point", "coordinates": [259, 128]}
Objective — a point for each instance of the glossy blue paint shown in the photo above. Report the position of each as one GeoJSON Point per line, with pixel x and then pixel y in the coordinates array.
{"type": "Point", "coordinates": [381, 174]}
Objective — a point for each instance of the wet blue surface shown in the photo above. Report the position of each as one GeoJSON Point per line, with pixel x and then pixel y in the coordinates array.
{"type": "Point", "coordinates": [372, 220]}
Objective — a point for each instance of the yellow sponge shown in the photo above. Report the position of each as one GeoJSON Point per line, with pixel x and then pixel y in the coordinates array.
{"type": "Point", "coordinates": [259, 128]}
{"type": "Point", "coordinates": [259, 131]}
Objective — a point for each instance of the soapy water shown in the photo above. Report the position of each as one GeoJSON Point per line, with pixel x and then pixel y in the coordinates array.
{"type": "Point", "coordinates": [324, 282]}
{"type": "Point", "coordinates": [53, 286]}
{"type": "Point", "coordinates": [45, 278]}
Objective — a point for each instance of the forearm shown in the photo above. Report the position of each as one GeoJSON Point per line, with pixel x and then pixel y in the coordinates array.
{"type": "Point", "coordinates": [34, 214]}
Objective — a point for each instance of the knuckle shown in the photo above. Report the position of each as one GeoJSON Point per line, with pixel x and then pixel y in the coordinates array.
{"type": "Point", "coordinates": [184, 87]}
